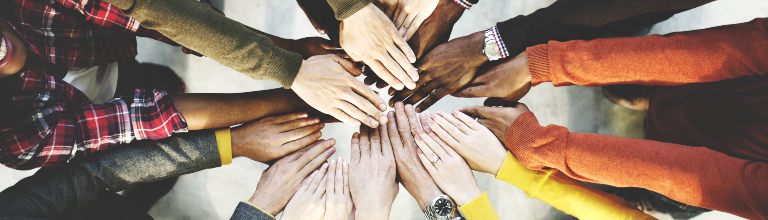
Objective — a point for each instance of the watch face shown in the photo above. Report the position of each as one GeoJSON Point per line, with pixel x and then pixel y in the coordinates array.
{"type": "Point", "coordinates": [443, 207]}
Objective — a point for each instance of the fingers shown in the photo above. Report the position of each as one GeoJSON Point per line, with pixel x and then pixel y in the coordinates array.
{"type": "Point", "coordinates": [330, 185]}
{"type": "Point", "coordinates": [425, 123]}
{"type": "Point", "coordinates": [365, 143]}
{"type": "Point", "coordinates": [386, 145]}
{"type": "Point", "coordinates": [287, 117]}
{"type": "Point", "coordinates": [375, 142]}
{"type": "Point", "coordinates": [345, 172]}
{"type": "Point", "coordinates": [411, 72]}
{"type": "Point", "coordinates": [344, 117]}
{"type": "Point", "coordinates": [450, 121]}
{"type": "Point", "coordinates": [338, 182]}
{"type": "Point", "coordinates": [394, 132]}
{"type": "Point", "coordinates": [468, 121]}
{"type": "Point", "coordinates": [315, 156]}
{"type": "Point", "coordinates": [405, 49]}
{"type": "Point", "coordinates": [369, 94]}
{"type": "Point", "coordinates": [368, 108]}
{"type": "Point", "coordinates": [429, 165]}
{"type": "Point", "coordinates": [299, 133]}
{"type": "Point", "coordinates": [301, 142]}
{"type": "Point", "coordinates": [422, 92]}
{"type": "Point", "coordinates": [305, 183]}
{"type": "Point", "coordinates": [413, 120]}
{"type": "Point", "coordinates": [297, 123]}
{"type": "Point", "coordinates": [426, 149]}
{"type": "Point", "coordinates": [355, 148]}
{"type": "Point", "coordinates": [480, 112]}
{"type": "Point", "coordinates": [385, 75]}
{"type": "Point", "coordinates": [314, 183]}
{"type": "Point", "coordinates": [435, 96]}
{"type": "Point", "coordinates": [446, 136]}
{"type": "Point", "coordinates": [416, 24]}
{"type": "Point", "coordinates": [358, 115]}
{"type": "Point", "coordinates": [436, 147]}
{"type": "Point", "coordinates": [320, 190]}
{"type": "Point", "coordinates": [396, 68]}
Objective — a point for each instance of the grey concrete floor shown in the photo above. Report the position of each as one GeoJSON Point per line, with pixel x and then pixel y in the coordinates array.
{"type": "Point", "coordinates": [213, 194]}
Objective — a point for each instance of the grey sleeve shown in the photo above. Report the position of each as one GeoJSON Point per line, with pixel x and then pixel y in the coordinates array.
{"type": "Point", "coordinates": [248, 212]}
{"type": "Point", "coordinates": [65, 190]}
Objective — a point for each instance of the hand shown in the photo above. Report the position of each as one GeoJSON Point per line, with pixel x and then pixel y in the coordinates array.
{"type": "Point", "coordinates": [510, 80]}
{"type": "Point", "coordinates": [274, 137]}
{"type": "Point", "coordinates": [309, 201]}
{"type": "Point", "coordinates": [408, 15]}
{"type": "Point", "coordinates": [446, 69]}
{"type": "Point", "coordinates": [475, 143]}
{"type": "Point", "coordinates": [338, 200]}
{"type": "Point", "coordinates": [449, 171]}
{"type": "Point", "coordinates": [369, 36]}
{"type": "Point", "coordinates": [496, 119]}
{"type": "Point", "coordinates": [402, 125]}
{"type": "Point", "coordinates": [278, 183]}
{"type": "Point", "coordinates": [326, 83]}
{"type": "Point", "coordinates": [372, 174]}
{"type": "Point", "coordinates": [313, 46]}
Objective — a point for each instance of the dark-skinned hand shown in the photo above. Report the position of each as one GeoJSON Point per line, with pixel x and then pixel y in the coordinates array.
{"type": "Point", "coordinates": [510, 80]}
{"type": "Point", "coordinates": [445, 70]}
{"type": "Point", "coordinates": [497, 115]}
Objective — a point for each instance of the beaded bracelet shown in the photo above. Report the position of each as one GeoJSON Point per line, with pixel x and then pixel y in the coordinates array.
{"type": "Point", "coordinates": [464, 3]}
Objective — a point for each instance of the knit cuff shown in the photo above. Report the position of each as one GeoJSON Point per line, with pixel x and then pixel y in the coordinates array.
{"type": "Point", "coordinates": [513, 172]}
{"type": "Point", "coordinates": [538, 63]}
{"type": "Point", "coordinates": [283, 66]}
{"type": "Point", "coordinates": [479, 208]}
{"type": "Point", "coordinates": [345, 8]}
{"type": "Point", "coordinates": [537, 147]}
{"type": "Point", "coordinates": [521, 136]}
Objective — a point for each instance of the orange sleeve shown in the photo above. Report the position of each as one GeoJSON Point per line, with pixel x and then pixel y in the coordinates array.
{"type": "Point", "coordinates": [707, 55]}
{"type": "Point", "coordinates": [694, 175]}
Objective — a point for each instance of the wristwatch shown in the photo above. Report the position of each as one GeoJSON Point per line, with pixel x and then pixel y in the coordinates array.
{"type": "Point", "coordinates": [494, 46]}
{"type": "Point", "coordinates": [441, 208]}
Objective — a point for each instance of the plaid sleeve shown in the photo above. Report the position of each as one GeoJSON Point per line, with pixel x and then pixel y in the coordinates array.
{"type": "Point", "coordinates": [59, 124]}
{"type": "Point", "coordinates": [102, 14]}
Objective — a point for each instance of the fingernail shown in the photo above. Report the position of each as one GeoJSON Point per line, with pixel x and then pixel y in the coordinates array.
{"type": "Point", "coordinates": [418, 109]}
{"type": "Point", "coordinates": [410, 85]}
{"type": "Point", "coordinates": [374, 123]}
{"type": "Point", "coordinates": [390, 114]}
{"type": "Point", "coordinates": [383, 107]}
{"type": "Point", "coordinates": [325, 165]}
{"type": "Point", "coordinates": [383, 119]}
{"type": "Point", "coordinates": [398, 86]}
{"type": "Point", "coordinates": [315, 121]}
{"type": "Point", "coordinates": [304, 115]}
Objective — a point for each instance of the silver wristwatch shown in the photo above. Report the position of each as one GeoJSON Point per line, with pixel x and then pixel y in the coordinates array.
{"type": "Point", "coordinates": [441, 208]}
{"type": "Point", "coordinates": [494, 46]}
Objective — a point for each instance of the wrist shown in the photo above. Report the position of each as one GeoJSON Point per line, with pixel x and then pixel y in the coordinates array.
{"type": "Point", "coordinates": [237, 149]}
{"type": "Point", "coordinates": [476, 43]}
{"type": "Point", "coordinates": [263, 205]}
{"type": "Point", "coordinates": [372, 213]}
{"type": "Point", "coordinates": [467, 196]}
{"type": "Point", "coordinates": [426, 195]}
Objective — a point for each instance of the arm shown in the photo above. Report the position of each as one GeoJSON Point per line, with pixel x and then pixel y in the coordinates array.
{"type": "Point", "coordinates": [196, 25]}
{"type": "Point", "coordinates": [693, 175]}
{"type": "Point", "coordinates": [708, 55]}
{"type": "Point", "coordinates": [246, 211]}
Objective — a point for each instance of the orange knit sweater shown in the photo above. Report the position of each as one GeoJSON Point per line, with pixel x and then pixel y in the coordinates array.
{"type": "Point", "coordinates": [693, 175]}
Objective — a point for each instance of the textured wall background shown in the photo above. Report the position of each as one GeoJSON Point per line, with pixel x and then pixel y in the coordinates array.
{"type": "Point", "coordinates": [213, 194]}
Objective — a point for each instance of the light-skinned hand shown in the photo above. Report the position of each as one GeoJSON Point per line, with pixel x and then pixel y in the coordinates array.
{"type": "Point", "coordinates": [403, 125]}
{"type": "Point", "coordinates": [327, 83]}
{"type": "Point", "coordinates": [408, 15]}
{"type": "Point", "coordinates": [282, 180]}
{"type": "Point", "coordinates": [309, 200]}
{"type": "Point", "coordinates": [270, 138]}
{"type": "Point", "coordinates": [372, 174]}
{"type": "Point", "coordinates": [448, 169]}
{"type": "Point", "coordinates": [369, 36]}
{"type": "Point", "coordinates": [338, 199]}
{"type": "Point", "coordinates": [475, 143]}
{"type": "Point", "coordinates": [445, 70]}
{"type": "Point", "coordinates": [496, 119]}
{"type": "Point", "coordinates": [510, 80]}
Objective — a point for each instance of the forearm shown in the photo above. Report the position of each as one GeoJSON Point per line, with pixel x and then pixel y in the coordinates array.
{"type": "Point", "coordinates": [707, 55]}
{"type": "Point", "coordinates": [208, 32]}
{"type": "Point", "coordinates": [656, 166]}
{"type": "Point", "coordinates": [566, 194]}
{"type": "Point", "coordinates": [64, 190]}
{"type": "Point", "coordinates": [567, 20]}
{"type": "Point", "coordinates": [208, 111]}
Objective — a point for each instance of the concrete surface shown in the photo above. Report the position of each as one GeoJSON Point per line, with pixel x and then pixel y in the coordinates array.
{"type": "Point", "coordinates": [213, 194]}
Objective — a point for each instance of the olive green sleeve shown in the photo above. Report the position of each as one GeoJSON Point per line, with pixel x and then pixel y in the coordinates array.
{"type": "Point", "coordinates": [345, 8]}
{"type": "Point", "coordinates": [208, 32]}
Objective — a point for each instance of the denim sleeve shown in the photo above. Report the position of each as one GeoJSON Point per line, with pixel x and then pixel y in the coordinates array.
{"type": "Point", "coordinates": [61, 191]}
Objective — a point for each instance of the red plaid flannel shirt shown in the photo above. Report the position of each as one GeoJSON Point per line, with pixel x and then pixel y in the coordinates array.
{"type": "Point", "coordinates": [46, 121]}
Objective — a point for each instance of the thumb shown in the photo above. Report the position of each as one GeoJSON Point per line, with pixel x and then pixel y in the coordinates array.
{"type": "Point", "coordinates": [478, 111]}
{"type": "Point", "coordinates": [474, 91]}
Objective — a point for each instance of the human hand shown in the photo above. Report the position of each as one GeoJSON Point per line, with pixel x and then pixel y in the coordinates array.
{"type": "Point", "coordinates": [369, 36]}
{"type": "Point", "coordinates": [474, 142]}
{"type": "Point", "coordinates": [437, 28]}
{"type": "Point", "coordinates": [270, 138]}
{"type": "Point", "coordinates": [372, 174]}
{"type": "Point", "coordinates": [446, 69]}
{"type": "Point", "coordinates": [327, 83]}
{"type": "Point", "coordinates": [338, 200]}
{"type": "Point", "coordinates": [281, 180]}
{"type": "Point", "coordinates": [509, 80]}
{"type": "Point", "coordinates": [309, 200]}
{"type": "Point", "coordinates": [403, 125]}
{"type": "Point", "coordinates": [448, 169]}
{"type": "Point", "coordinates": [496, 119]}
{"type": "Point", "coordinates": [408, 15]}
{"type": "Point", "coordinates": [313, 46]}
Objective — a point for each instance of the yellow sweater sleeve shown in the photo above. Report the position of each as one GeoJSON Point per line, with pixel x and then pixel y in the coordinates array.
{"type": "Point", "coordinates": [224, 143]}
{"type": "Point", "coordinates": [479, 208]}
{"type": "Point", "coordinates": [566, 194]}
